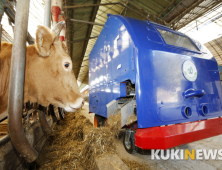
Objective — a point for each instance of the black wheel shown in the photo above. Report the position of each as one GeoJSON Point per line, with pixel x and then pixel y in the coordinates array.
{"type": "Point", "coordinates": [129, 145]}
{"type": "Point", "coordinates": [99, 121]}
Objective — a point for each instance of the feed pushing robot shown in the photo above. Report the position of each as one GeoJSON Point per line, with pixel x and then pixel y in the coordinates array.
{"type": "Point", "coordinates": [167, 82]}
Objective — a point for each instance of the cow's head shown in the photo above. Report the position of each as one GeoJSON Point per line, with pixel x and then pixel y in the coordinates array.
{"type": "Point", "coordinates": [49, 76]}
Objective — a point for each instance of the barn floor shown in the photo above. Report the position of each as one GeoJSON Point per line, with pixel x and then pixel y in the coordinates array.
{"type": "Point", "coordinates": [145, 157]}
{"type": "Point", "coordinates": [74, 145]}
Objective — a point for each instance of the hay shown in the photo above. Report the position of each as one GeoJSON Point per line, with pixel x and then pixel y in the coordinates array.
{"type": "Point", "coordinates": [75, 143]}
{"type": "Point", "coordinates": [131, 119]}
{"type": "Point", "coordinates": [114, 124]}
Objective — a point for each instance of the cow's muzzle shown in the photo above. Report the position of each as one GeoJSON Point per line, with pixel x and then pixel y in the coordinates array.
{"type": "Point", "coordinates": [72, 107]}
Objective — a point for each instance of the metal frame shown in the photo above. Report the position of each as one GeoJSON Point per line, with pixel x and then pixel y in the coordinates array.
{"type": "Point", "coordinates": [42, 119]}
{"type": "Point", "coordinates": [83, 39]}
{"type": "Point", "coordinates": [1, 14]}
{"type": "Point", "coordinates": [16, 85]}
{"type": "Point", "coordinates": [47, 15]}
{"type": "Point", "coordinates": [86, 22]}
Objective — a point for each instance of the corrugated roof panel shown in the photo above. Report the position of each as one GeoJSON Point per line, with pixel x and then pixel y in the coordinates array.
{"type": "Point", "coordinates": [36, 16]}
{"type": "Point", "coordinates": [205, 28]}
{"type": "Point", "coordinates": [173, 11]}
{"type": "Point", "coordinates": [215, 47]}
{"type": "Point", "coordinates": [204, 7]}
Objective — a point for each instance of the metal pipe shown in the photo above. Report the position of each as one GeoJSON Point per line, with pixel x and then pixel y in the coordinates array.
{"type": "Point", "coordinates": [16, 85]}
{"type": "Point", "coordinates": [4, 140]}
{"type": "Point", "coordinates": [56, 10]}
{"type": "Point", "coordinates": [1, 13]}
{"type": "Point", "coordinates": [83, 39]}
{"type": "Point", "coordinates": [87, 22]}
{"type": "Point", "coordinates": [42, 119]}
{"type": "Point", "coordinates": [47, 16]}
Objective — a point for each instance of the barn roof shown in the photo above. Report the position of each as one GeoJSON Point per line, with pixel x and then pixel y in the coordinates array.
{"type": "Point", "coordinates": [215, 47]}
{"type": "Point", "coordinates": [81, 36]}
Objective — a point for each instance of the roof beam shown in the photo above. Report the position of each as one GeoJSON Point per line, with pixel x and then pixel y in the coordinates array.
{"type": "Point", "coordinates": [171, 8]}
{"type": "Point", "coordinates": [69, 33]}
{"type": "Point", "coordinates": [86, 22]}
{"type": "Point", "coordinates": [118, 3]}
{"type": "Point", "coordinates": [93, 17]}
{"type": "Point", "coordinates": [188, 11]}
{"type": "Point", "coordinates": [166, 8]}
{"type": "Point", "coordinates": [83, 39]}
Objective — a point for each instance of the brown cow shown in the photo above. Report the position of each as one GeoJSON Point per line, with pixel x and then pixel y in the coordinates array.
{"type": "Point", "coordinates": [49, 78]}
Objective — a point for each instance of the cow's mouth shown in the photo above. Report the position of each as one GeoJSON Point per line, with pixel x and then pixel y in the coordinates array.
{"type": "Point", "coordinates": [70, 109]}
{"type": "Point", "coordinates": [73, 108]}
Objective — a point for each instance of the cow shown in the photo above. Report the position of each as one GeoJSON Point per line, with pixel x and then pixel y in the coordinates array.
{"type": "Point", "coordinates": [49, 78]}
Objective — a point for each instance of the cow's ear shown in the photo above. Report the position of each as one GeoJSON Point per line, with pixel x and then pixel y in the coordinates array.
{"type": "Point", "coordinates": [44, 40]}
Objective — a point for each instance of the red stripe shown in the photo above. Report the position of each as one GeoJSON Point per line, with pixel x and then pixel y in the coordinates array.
{"type": "Point", "coordinates": [170, 136]}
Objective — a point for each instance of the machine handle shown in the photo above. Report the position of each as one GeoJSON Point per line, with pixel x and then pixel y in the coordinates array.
{"type": "Point", "coordinates": [193, 93]}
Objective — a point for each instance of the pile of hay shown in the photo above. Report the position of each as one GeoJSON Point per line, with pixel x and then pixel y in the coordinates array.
{"type": "Point", "coordinates": [75, 143]}
{"type": "Point", "coordinates": [114, 124]}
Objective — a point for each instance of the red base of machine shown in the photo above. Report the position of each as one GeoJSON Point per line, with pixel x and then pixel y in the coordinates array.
{"type": "Point", "coordinates": [174, 135]}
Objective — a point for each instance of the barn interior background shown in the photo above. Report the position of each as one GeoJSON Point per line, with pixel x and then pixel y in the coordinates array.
{"type": "Point", "coordinates": [200, 19]}
{"type": "Point", "coordinates": [85, 20]}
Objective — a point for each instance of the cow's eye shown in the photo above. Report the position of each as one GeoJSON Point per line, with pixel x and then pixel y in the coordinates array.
{"type": "Point", "coordinates": [66, 65]}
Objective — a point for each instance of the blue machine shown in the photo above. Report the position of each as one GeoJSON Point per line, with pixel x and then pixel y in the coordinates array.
{"type": "Point", "coordinates": [220, 70]}
{"type": "Point", "coordinates": [175, 78]}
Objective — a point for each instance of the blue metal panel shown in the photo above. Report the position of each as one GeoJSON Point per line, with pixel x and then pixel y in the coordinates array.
{"type": "Point", "coordinates": [220, 70]}
{"type": "Point", "coordinates": [133, 49]}
{"type": "Point", "coordinates": [111, 62]}
{"type": "Point", "coordinates": [123, 89]}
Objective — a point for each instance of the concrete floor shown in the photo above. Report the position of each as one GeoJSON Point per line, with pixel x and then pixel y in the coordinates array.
{"type": "Point", "coordinates": [210, 143]}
